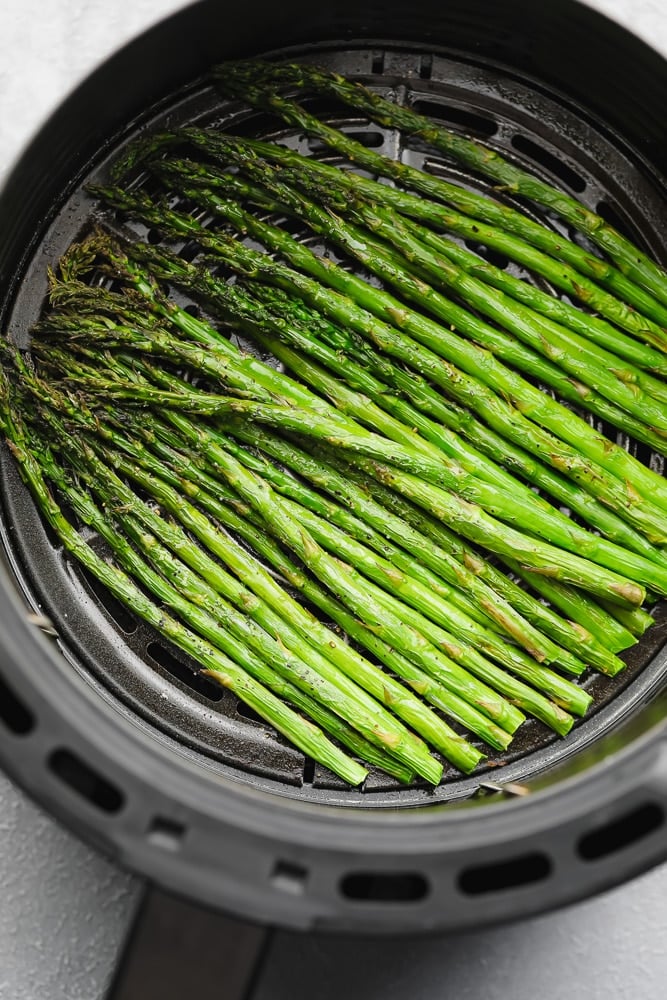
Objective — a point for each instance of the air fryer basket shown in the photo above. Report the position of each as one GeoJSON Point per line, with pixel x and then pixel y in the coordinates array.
{"type": "Point", "coordinates": [113, 730]}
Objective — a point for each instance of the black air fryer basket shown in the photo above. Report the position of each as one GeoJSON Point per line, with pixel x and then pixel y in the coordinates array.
{"type": "Point", "coordinates": [112, 731]}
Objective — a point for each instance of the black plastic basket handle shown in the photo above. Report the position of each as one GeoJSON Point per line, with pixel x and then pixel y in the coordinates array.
{"type": "Point", "coordinates": [175, 950]}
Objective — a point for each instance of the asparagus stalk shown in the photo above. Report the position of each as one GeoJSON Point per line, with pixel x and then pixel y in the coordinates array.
{"type": "Point", "coordinates": [456, 575]}
{"type": "Point", "coordinates": [378, 684]}
{"type": "Point", "coordinates": [563, 693]}
{"type": "Point", "coordinates": [439, 734]}
{"type": "Point", "coordinates": [620, 382]}
{"type": "Point", "coordinates": [288, 415]}
{"type": "Point", "coordinates": [346, 491]}
{"type": "Point", "coordinates": [159, 342]}
{"type": "Point", "coordinates": [592, 327]}
{"type": "Point", "coordinates": [600, 619]}
{"type": "Point", "coordinates": [243, 79]}
{"type": "Point", "coordinates": [402, 532]}
{"type": "Point", "coordinates": [222, 503]}
{"type": "Point", "coordinates": [582, 611]}
{"type": "Point", "coordinates": [246, 312]}
{"type": "Point", "coordinates": [506, 221]}
{"type": "Point", "coordinates": [327, 719]}
{"type": "Point", "coordinates": [528, 699]}
{"type": "Point", "coordinates": [470, 519]}
{"type": "Point", "coordinates": [220, 366]}
{"type": "Point", "coordinates": [303, 328]}
{"type": "Point", "coordinates": [342, 580]}
{"type": "Point", "coordinates": [407, 456]}
{"type": "Point", "coordinates": [179, 471]}
{"type": "Point", "coordinates": [200, 579]}
{"type": "Point", "coordinates": [485, 603]}
{"type": "Point", "coordinates": [390, 693]}
{"type": "Point", "coordinates": [469, 635]}
{"type": "Point", "coordinates": [453, 477]}
{"type": "Point", "coordinates": [384, 262]}
{"type": "Point", "coordinates": [85, 308]}
{"type": "Point", "coordinates": [561, 275]}
{"type": "Point", "coordinates": [637, 621]}
{"type": "Point", "coordinates": [537, 404]}
{"type": "Point", "coordinates": [624, 385]}
{"type": "Point", "coordinates": [306, 736]}
{"type": "Point", "coordinates": [439, 546]}
{"type": "Point", "coordinates": [250, 317]}
{"type": "Point", "coordinates": [373, 515]}
{"type": "Point", "coordinates": [567, 458]}
{"type": "Point", "coordinates": [569, 536]}
{"type": "Point", "coordinates": [236, 304]}
{"type": "Point", "coordinates": [379, 569]}
{"type": "Point", "coordinates": [348, 439]}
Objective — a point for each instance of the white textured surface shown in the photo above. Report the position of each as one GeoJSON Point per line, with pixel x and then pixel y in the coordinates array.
{"type": "Point", "coordinates": [47, 48]}
{"type": "Point", "coordinates": [646, 18]}
{"type": "Point", "coordinates": [63, 909]}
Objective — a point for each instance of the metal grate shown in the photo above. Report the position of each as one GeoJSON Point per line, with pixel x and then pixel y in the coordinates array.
{"type": "Point", "coordinates": [124, 658]}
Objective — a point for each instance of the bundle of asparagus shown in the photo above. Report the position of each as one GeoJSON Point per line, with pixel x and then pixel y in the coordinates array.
{"type": "Point", "coordinates": [389, 481]}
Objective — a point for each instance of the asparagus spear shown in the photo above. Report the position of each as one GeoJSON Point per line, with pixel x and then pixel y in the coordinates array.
{"type": "Point", "coordinates": [456, 574]}
{"type": "Point", "coordinates": [383, 520]}
{"type": "Point", "coordinates": [506, 506]}
{"type": "Point", "coordinates": [200, 579]}
{"type": "Point", "coordinates": [221, 366]}
{"type": "Point", "coordinates": [384, 262]}
{"type": "Point", "coordinates": [237, 305]}
{"type": "Point", "coordinates": [470, 519]}
{"type": "Point", "coordinates": [347, 438]}
{"type": "Point", "coordinates": [353, 437]}
{"type": "Point", "coordinates": [178, 470]}
{"type": "Point", "coordinates": [562, 276]}
{"type": "Point", "coordinates": [488, 605]}
{"type": "Point", "coordinates": [381, 571]}
{"type": "Point", "coordinates": [637, 621]}
{"type": "Point", "coordinates": [238, 308]}
{"type": "Point", "coordinates": [402, 532]}
{"type": "Point", "coordinates": [593, 328]}
{"type": "Point", "coordinates": [561, 530]}
{"type": "Point", "coordinates": [579, 607]}
{"type": "Point", "coordinates": [303, 328]}
{"type": "Point", "coordinates": [325, 476]}
{"type": "Point", "coordinates": [533, 402]}
{"type": "Point", "coordinates": [620, 382]}
{"type": "Point", "coordinates": [434, 730]}
{"type": "Point", "coordinates": [243, 79]}
{"type": "Point", "coordinates": [572, 279]}
{"type": "Point", "coordinates": [438, 733]}
{"type": "Point", "coordinates": [373, 680]}
{"type": "Point", "coordinates": [230, 510]}
{"type": "Point", "coordinates": [469, 636]}
{"type": "Point", "coordinates": [327, 719]}
{"type": "Point", "coordinates": [534, 703]}
{"type": "Point", "coordinates": [343, 581]}
{"type": "Point", "coordinates": [89, 308]}
{"type": "Point", "coordinates": [306, 736]}
{"type": "Point", "coordinates": [390, 338]}
{"type": "Point", "coordinates": [600, 618]}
